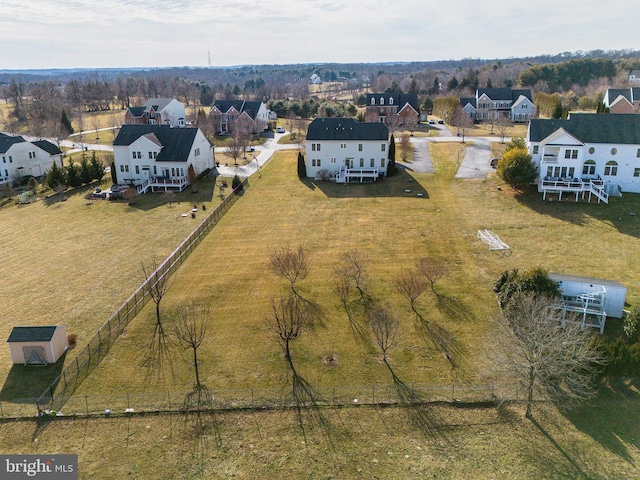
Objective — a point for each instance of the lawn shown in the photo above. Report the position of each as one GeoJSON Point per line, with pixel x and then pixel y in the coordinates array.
{"type": "Point", "coordinates": [74, 262]}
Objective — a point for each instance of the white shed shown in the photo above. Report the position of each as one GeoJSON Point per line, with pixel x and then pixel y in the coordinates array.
{"type": "Point", "coordinates": [614, 293]}
{"type": "Point", "coordinates": [37, 345]}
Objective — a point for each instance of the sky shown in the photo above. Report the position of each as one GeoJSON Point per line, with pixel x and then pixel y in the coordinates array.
{"type": "Point", "coordinates": [44, 34]}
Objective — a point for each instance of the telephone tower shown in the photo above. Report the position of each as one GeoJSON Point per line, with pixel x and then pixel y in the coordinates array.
{"type": "Point", "coordinates": [209, 54]}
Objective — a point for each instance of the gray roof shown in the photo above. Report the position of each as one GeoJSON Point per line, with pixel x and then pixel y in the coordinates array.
{"type": "Point", "coordinates": [631, 94]}
{"type": "Point", "coordinates": [137, 111]}
{"type": "Point", "coordinates": [242, 106]}
{"type": "Point", "coordinates": [48, 147]}
{"type": "Point", "coordinates": [622, 129]}
{"type": "Point", "coordinates": [31, 334]}
{"type": "Point", "coordinates": [7, 141]}
{"type": "Point", "coordinates": [346, 129]}
{"type": "Point", "coordinates": [468, 100]}
{"type": "Point", "coordinates": [590, 280]}
{"type": "Point", "coordinates": [399, 99]}
{"type": "Point", "coordinates": [176, 142]}
{"type": "Point", "coordinates": [504, 93]}
{"type": "Point", "coordinates": [157, 103]}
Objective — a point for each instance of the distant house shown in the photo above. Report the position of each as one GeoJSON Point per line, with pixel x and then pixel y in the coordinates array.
{"type": "Point", "coordinates": [315, 79]}
{"type": "Point", "coordinates": [634, 77]}
{"type": "Point", "coordinates": [157, 157]}
{"type": "Point", "coordinates": [157, 111]}
{"type": "Point", "coordinates": [346, 151]}
{"type": "Point", "coordinates": [622, 100]}
{"type": "Point", "coordinates": [20, 158]}
{"type": "Point", "coordinates": [229, 115]}
{"type": "Point", "coordinates": [586, 154]}
{"type": "Point", "coordinates": [493, 103]}
{"type": "Point", "coordinates": [37, 345]}
{"type": "Point", "coordinates": [395, 110]}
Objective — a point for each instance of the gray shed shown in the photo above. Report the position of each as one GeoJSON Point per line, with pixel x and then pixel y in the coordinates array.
{"type": "Point", "coordinates": [37, 345]}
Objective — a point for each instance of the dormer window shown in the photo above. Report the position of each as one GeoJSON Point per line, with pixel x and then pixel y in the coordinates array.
{"type": "Point", "coordinates": [390, 100]}
{"type": "Point", "coordinates": [373, 101]}
{"type": "Point", "coordinates": [381, 100]}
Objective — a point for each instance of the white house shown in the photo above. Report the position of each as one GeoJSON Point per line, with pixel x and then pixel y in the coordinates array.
{"type": "Point", "coordinates": [157, 157]}
{"type": "Point", "coordinates": [492, 103]}
{"type": "Point", "coordinates": [37, 345]}
{"type": "Point", "coordinates": [157, 111]}
{"type": "Point", "coordinates": [587, 154]}
{"type": "Point", "coordinates": [346, 151]}
{"type": "Point", "coordinates": [591, 300]}
{"type": "Point", "coordinates": [20, 158]}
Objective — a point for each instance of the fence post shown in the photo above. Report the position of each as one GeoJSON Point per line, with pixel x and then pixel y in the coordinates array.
{"type": "Point", "coordinates": [373, 393]}
{"type": "Point", "coordinates": [170, 419]}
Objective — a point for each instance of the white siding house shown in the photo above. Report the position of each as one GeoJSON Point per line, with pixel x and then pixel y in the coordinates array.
{"type": "Point", "coordinates": [37, 345]}
{"type": "Point", "coordinates": [20, 158]}
{"type": "Point", "coordinates": [587, 154]}
{"type": "Point", "coordinates": [493, 103]}
{"type": "Point", "coordinates": [157, 111]}
{"type": "Point", "coordinates": [157, 157]}
{"type": "Point", "coordinates": [346, 151]}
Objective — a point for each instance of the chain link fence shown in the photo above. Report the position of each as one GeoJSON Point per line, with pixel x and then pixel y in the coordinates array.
{"type": "Point", "coordinates": [63, 387]}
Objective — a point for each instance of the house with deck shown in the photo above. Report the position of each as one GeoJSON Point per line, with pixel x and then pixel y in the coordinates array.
{"type": "Point", "coordinates": [20, 158]}
{"type": "Point", "coordinates": [157, 157]}
{"type": "Point", "coordinates": [227, 116]}
{"type": "Point", "coordinates": [395, 110]}
{"type": "Point", "coordinates": [346, 151]}
{"type": "Point", "coordinates": [157, 111]}
{"type": "Point", "coordinates": [594, 155]}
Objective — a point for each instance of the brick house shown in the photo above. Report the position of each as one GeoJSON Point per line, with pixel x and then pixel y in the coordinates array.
{"type": "Point", "coordinates": [395, 110]}
{"type": "Point", "coordinates": [229, 115]}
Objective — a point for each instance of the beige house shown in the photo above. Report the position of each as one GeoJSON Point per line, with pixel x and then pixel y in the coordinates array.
{"type": "Point", "coordinates": [37, 345]}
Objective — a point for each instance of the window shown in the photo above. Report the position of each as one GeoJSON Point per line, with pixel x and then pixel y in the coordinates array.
{"type": "Point", "coordinates": [383, 148]}
{"type": "Point", "coordinates": [592, 150]}
{"type": "Point", "coordinates": [572, 172]}
{"type": "Point", "coordinates": [372, 163]}
{"type": "Point", "coordinates": [614, 151]}
{"type": "Point", "coordinates": [373, 101]}
{"type": "Point", "coordinates": [333, 159]}
{"type": "Point", "coordinates": [611, 168]}
{"type": "Point", "coordinates": [313, 162]}
{"type": "Point", "coordinates": [313, 147]}
{"type": "Point", "coordinates": [381, 100]}
{"type": "Point", "coordinates": [589, 168]}
{"type": "Point", "coordinates": [126, 168]}
{"type": "Point", "coordinates": [359, 147]}
{"type": "Point", "coordinates": [382, 163]}
{"type": "Point", "coordinates": [150, 155]}
{"type": "Point", "coordinates": [390, 100]}
{"type": "Point", "coordinates": [10, 159]}
{"type": "Point", "coordinates": [388, 110]}
{"type": "Point", "coordinates": [638, 153]}
{"type": "Point", "coordinates": [318, 162]}
{"type": "Point", "coordinates": [155, 170]}
{"type": "Point", "coordinates": [574, 154]}
{"type": "Point", "coordinates": [196, 152]}
{"type": "Point", "coordinates": [535, 149]}
{"type": "Point", "coordinates": [155, 155]}
{"type": "Point", "coordinates": [137, 170]}
{"type": "Point", "coordinates": [636, 172]}
{"type": "Point", "coordinates": [549, 171]}
{"type": "Point", "coordinates": [361, 162]}
{"type": "Point", "coordinates": [4, 160]}
{"type": "Point", "coordinates": [122, 168]}
{"type": "Point", "coordinates": [318, 147]}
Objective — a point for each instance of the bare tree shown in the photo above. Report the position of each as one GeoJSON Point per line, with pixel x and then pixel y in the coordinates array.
{"type": "Point", "coordinates": [384, 325]}
{"type": "Point", "coordinates": [190, 328]}
{"type": "Point", "coordinates": [503, 125]}
{"type": "Point", "coordinates": [235, 149]}
{"type": "Point", "coordinates": [286, 323]}
{"type": "Point", "coordinates": [292, 265]}
{"type": "Point", "coordinates": [462, 121]}
{"type": "Point", "coordinates": [405, 143]}
{"type": "Point", "coordinates": [432, 271]}
{"type": "Point", "coordinates": [549, 352]}
{"type": "Point", "coordinates": [353, 268]}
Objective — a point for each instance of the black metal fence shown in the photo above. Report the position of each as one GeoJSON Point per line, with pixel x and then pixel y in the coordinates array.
{"type": "Point", "coordinates": [63, 387]}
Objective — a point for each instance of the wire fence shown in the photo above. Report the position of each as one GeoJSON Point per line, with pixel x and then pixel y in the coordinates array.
{"type": "Point", "coordinates": [228, 399]}
{"type": "Point", "coordinates": [63, 387]}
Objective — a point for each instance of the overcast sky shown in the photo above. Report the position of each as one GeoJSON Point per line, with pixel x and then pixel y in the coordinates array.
{"type": "Point", "coordinates": [161, 33]}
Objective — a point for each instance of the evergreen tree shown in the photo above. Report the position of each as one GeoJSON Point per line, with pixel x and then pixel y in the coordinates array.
{"type": "Point", "coordinates": [302, 167]}
{"type": "Point", "coordinates": [114, 174]}
{"type": "Point", "coordinates": [97, 168]}
{"type": "Point", "coordinates": [74, 175]}
{"type": "Point", "coordinates": [391, 164]}
{"type": "Point", "coordinates": [236, 184]}
{"type": "Point", "coordinates": [56, 176]}
{"type": "Point", "coordinates": [489, 83]}
{"type": "Point", "coordinates": [66, 123]}
{"type": "Point", "coordinates": [86, 174]}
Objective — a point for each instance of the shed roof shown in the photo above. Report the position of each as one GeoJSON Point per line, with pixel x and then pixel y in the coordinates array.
{"type": "Point", "coordinates": [31, 334]}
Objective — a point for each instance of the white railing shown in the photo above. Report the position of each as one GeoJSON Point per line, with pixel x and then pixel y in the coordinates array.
{"type": "Point", "coordinates": [574, 185]}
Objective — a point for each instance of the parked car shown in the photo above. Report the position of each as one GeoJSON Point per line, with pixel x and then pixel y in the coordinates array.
{"type": "Point", "coordinates": [494, 162]}
{"type": "Point", "coordinates": [440, 121]}
{"type": "Point", "coordinates": [432, 121]}
{"type": "Point", "coordinates": [279, 129]}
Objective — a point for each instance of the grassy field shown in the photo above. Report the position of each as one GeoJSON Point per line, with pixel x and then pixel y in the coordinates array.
{"type": "Point", "coordinates": [75, 262]}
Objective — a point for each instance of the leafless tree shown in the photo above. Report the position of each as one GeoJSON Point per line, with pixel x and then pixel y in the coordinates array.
{"type": "Point", "coordinates": [287, 322]}
{"type": "Point", "coordinates": [503, 125]}
{"type": "Point", "coordinates": [551, 356]}
{"type": "Point", "coordinates": [343, 286]}
{"type": "Point", "coordinates": [353, 268]}
{"type": "Point", "coordinates": [462, 122]}
{"type": "Point", "coordinates": [190, 328]}
{"type": "Point", "coordinates": [384, 325]}
{"type": "Point", "coordinates": [290, 264]}
{"type": "Point", "coordinates": [235, 149]}
{"type": "Point", "coordinates": [404, 146]}
{"type": "Point", "coordinates": [432, 271]}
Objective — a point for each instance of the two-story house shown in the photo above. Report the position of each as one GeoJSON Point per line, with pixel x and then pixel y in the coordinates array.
{"type": "Point", "coordinates": [492, 103]}
{"type": "Point", "coordinates": [227, 116]}
{"type": "Point", "coordinates": [346, 151]}
{"type": "Point", "coordinates": [158, 157]}
{"type": "Point", "coordinates": [587, 154]}
{"type": "Point", "coordinates": [20, 158]}
{"type": "Point", "coordinates": [157, 111]}
{"type": "Point", "coordinates": [622, 100]}
{"type": "Point", "coordinates": [395, 110]}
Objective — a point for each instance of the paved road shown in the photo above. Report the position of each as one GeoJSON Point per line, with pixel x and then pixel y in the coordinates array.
{"type": "Point", "coordinates": [421, 157]}
{"type": "Point", "coordinates": [475, 163]}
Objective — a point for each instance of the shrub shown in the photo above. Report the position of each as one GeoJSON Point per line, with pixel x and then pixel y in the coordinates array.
{"type": "Point", "coordinates": [535, 280]}
{"type": "Point", "coordinates": [622, 358]}
{"type": "Point", "coordinates": [324, 175]}
{"type": "Point", "coordinates": [632, 325]}
{"type": "Point", "coordinates": [72, 339]}
{"type": "Point", "coordinates": [236, 184]}
{"type": "Point", "coordinates": [516, 168]}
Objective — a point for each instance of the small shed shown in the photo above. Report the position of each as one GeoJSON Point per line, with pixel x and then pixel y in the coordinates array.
{"type": "Point", "coordinates": [37, 345]}
{"type": "Point", "coordinates": [613, 293]}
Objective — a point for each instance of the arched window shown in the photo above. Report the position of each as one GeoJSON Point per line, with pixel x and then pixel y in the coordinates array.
{"type": "Point", "coordinates": [381, 100]}
{"type": "Point", "coordinates": [373, 101]}
{"type": "Point", "coordinates": [390, 100]}
{"type": "Point", "coordinates": [589, 168]}
{"type": "Point", "coordinates": [611, 168]}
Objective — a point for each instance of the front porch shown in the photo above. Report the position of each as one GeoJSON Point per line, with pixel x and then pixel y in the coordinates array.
{"type": "Point", "coordinates": [576, 186]}
{"type": "Point", "coordinates": [357, 175]}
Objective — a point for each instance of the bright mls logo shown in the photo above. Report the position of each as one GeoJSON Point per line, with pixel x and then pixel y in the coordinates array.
{"type": "Point", "coordinates": [50, 467]}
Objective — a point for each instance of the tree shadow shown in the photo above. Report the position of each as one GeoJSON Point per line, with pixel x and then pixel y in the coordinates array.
{"type": "Point", "coordinates": [441, 338]}
{"type": "Point", "coordinates": [612, 418]}
{"type": "Point", "coordinates": [24, 384]}
{"type": "Point", "coordinates": [453, 308]}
